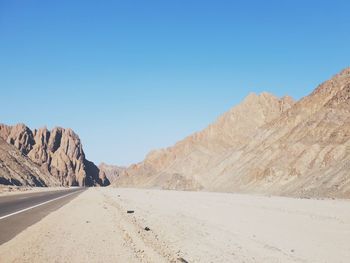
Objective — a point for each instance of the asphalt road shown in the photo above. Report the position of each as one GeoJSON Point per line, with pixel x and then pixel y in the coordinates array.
{"type": "Point", "coordinates": [17, 212]}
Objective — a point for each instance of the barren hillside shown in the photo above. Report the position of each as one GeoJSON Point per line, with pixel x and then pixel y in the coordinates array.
{"type": "Point", "coordinates": [266, 145]}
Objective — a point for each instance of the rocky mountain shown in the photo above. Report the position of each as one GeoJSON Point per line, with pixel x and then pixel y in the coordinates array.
{"type": "Point", "coordinates": [265, 145]}
{"type": "Point", "coordinates": [59, 152]}
{"type": "Point", "coordinates": [181, 166]}
{"type": "Point", "coordinates": [112, 172]}
{"type": "Point", "coordinates": [17, 169]}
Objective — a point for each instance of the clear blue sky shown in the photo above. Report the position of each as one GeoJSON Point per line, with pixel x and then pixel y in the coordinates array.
{"type": "Point", "coordinates": [131, 76]}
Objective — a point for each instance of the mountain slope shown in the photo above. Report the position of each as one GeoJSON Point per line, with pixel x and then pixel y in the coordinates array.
{"type": "Point", "coordinates": [264, 145]}
{"type": "Point", "coordinates": [305, 152]}
{"type": "Point", "coordinates": [182, 166]}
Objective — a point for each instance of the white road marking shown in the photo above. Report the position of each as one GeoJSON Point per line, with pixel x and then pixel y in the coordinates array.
{"type": "Point", "coordinates": [34, 206]}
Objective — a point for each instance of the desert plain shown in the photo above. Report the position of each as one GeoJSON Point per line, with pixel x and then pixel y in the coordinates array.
{"type": "Point", "coordinates": [140, 225]}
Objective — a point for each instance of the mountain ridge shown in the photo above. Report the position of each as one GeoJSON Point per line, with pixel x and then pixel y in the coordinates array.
{"type": "Point", "coordinates": [264, 145]}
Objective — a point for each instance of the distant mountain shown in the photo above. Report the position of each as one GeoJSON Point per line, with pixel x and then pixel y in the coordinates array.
{"type": "Point", "coordinates": [112, 172]}
{"type": "Point", "coordinates": [58, 152]}
{"type": "Point", "coordinates": [265, 145]}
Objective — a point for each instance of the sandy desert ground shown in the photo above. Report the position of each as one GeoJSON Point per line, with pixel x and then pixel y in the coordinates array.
{"type": "Point", "coordinates": [186, 227]}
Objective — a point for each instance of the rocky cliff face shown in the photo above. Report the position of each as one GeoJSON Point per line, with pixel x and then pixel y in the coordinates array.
{"type": "Point", "coordinates": [17, 169]}
{"type": "Point", "coordinates": [264, 145]}
{"type": "Point", "coordinates": [59, 152]}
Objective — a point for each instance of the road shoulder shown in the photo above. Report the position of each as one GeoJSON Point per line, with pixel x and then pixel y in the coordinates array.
{"type": "Point", "coordinates": [81, 231]}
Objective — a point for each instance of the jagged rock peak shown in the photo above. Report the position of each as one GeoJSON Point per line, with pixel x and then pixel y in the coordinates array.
{"type": "Point", "coordinates": [58, 151]}
{"type": "Point", "coordinates": [18, 135]}
{"type": "Point", "coordinates": [266, 99]}
{"type": "Point", "coordinates": [254, 97]}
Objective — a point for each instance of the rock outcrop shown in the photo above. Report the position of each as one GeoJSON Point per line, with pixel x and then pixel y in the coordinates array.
{"type": "Point", "coordinates": [264, 145]}
{"type": "Point", "coordinates": [17, 169]}
{"type": "Point", "coordinates": [59, 152]}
